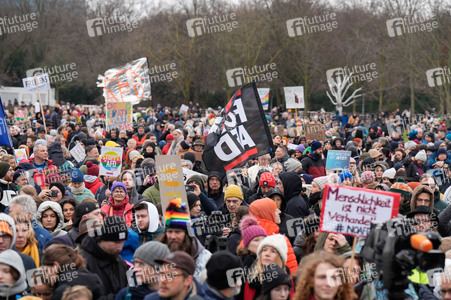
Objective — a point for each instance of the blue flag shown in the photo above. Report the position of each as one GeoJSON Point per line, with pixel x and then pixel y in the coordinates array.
{"type": "Point", "coordinates": [5, 137]}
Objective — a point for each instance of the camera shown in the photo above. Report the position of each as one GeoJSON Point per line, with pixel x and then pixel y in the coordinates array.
{"type": "Point", "coordinates": [53, 193]}
{"type": "Point", "coordinates": [189, 188]}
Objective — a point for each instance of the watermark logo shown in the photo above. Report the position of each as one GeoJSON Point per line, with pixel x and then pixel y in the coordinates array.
{"type": "Point", "coordinates": [360, 73]}
{"type": "Point", "coordinates": [214, 24]}
{"type": "Point", "coordinates": [10, 25]}
{"type": "Point", "coordinates": [257, 73]}
{"type": "Point", "coordinates": [94, 227]}
{"type": "Point", "coordinates": [113, 24]}
{"type": "Point", "coordinates": [233, 275]}
{"type": "Point", "coordinates": [51, 275]}
{"type": "Point", "coordinates": [57, 73]}
{"type": "Point", "coordinates": [438, 76]}
{"type": "Point", "coordinates": [166, 72]}
{"type": "Point", "coordinates": [400, 26]}
{"type": "Point", "coordinates": [339, 276]}
{"type": "Point", "coordinates": [309, 25]}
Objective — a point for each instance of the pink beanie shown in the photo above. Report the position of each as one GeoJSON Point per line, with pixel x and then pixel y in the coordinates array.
{"type": "Point", "coordinates": [367, 177]}
{"type": "Point", "coordinates": [250, 229]}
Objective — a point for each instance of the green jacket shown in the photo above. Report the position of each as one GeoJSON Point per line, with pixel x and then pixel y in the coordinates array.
{"type": "Point", "coordinates": [153, 193]}
{"type": "Point", "coordinates": [148, 236]}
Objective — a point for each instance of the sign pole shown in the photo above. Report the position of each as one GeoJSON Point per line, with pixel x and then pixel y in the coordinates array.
{"type": "Point", "coordinates": [40, 102]}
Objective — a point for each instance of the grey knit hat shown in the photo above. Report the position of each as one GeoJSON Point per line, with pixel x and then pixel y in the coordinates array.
{"type": "Point", "coordinates": [150, 251]}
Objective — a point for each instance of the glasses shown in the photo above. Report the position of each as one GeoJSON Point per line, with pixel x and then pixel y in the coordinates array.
{"type": "Point", "coordinates": [119, 192]}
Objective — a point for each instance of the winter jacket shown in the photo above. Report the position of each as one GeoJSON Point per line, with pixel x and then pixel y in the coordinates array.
{"type": "Point", "coordinates": [200, 255]}
{"type": "Point", "coordinates": [153, 193]}
{"type": "Point", "coordinates": [12, 259]}
{"type": "Point", "coordinates": [56, 154]}
{"type": "Point", "coordinates": [154, 229]}
{"type": "Point", "coordinates": [55, 207]}
{"type": "Point", "coordinates": [234, 240]}
{"type": "Point", "coordinates": [8, 190]}
{"type": "Point", "coordinates": [313, 166]}
{"type": "Point", "coordinates": [123, 210]}
{"type": "Point", "coordinates": [411, 170]}
{"type": "Point", "coordinates": [432, 159]}
{"type": "Point", "coordinates": [296, 205]}
{"type": "Point", "coordinates": [139, 138]}
{"type": "Point", "coordinates": [133, 293]}
{"type": "Point", "coordinates": [39, 176]}
{"type": "Point", "coordinates": [83, 277]}
{"type": "Point", "coordinates": [217, 197]}
{"type": "Point", "coordinates": [92, 183]}
{"type": "Point", "coordinates": [111, 269]}
{"type": "Point", "coordinates": [100, 194]}
{"type": "Point", "coordinates": [42, 235]}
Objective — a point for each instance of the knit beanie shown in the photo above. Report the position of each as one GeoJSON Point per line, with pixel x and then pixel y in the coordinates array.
{"type": "Point", "coordinates": [390, 173]}
{"type": "Point", "coordinates": [343, 176]}
{"type": "Point", "coordinates": [76, 176]}
{"type": "Point", "coordinates": [176, 215]}
{"type": "Point", "coordinates": [218, 267]}
{"type": "Point", "coordinates": [410, 144]}
{"type": "Point", "coordinates": [448, 137]}
{"type": "Point", "coordinates": [92, 169]}
{"type": "Point", "coordinates": [4, 168]}
{"type": "Point", "coordinates": [250, 229]}
{"type": "Point", "coordinates": [321, 181]}
{"type": "Point", "coordinates": [84, 169]}
{"type": "Point", "coordinates": [169, 137]}
{"type": "Point", "coordinates": [300, 148]}
{"type": "Point", "coordinates": [401, 187]}
{"type": "Point", "coordinates": [441, 151]}
{"type": "Point", "coordinates": [421, 155]}
{"type": "Point", "coordinates": [118, 185]}
{"type": "Point", "coordinates": [413, 185]}
{"type": "Point", "coordinates": [367, 177]}
{"type": "Point", "coordinates": [114, 229]}
{"type": "Point", "coordinates": [132, 154]}
{"type": "Point", "coordinates": [150, 251]}
{"type": "Point", "coordinates": [274, 276]}
{"type": "Point", "coordinates": [292, 164]}
{"type": "Point", "coordinates": [184, 145]}
{"type": "Point", "coordinates": [276, 241]}
{"type": "Point", "coordinates": [233, 191]}
{"type": "Point", "coordinates": [315, 146]}
{"type": "Point", "coordinates": [197, 179]}
{"type": "Point", "coordinates": [190, 156]}
{"type": "Point", "coordinates": [60, 186]}
{"type": "Point", "coordinates": [267, 179]}
{"type": "Point", "coordinates": [17, 174]}
{"type": "Point", "coordinates": [192, 199]}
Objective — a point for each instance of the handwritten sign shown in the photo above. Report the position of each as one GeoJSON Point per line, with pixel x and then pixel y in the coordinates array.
{"type": "Point", "coordinates": [263, 93]}
{"type": "Point", "coordinates": [20, 154]}
{"type": "Point", "coordinates": [127, 83]}
{"type": "Point", "coordinates": [110, 161]}
{"type": "Point", "coordinates": [338, 160]}
{"type": "Point", "coordinates": [294, 96]}
{"type": "Point", "coordinates": [315, 132]}
{"type": "Point", "coordinates": [119, 115]}
{"type": "Point", "coordinates": [31, 84]}
{"type": "Point", "coordinates": [170, 179]}
{"type": "Point", "coordinates": [184, 108]}
{"type": "Point", "coordinates": [350, 211]}
{"type": "Point", "coordinates": [78, 152]}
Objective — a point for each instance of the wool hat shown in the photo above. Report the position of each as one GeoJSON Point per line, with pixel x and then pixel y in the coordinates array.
{"type": "Point", "coordinates": [398, 166]}
{"type": "Point", "coordinates": [368, 161]}
{"type": "Point", "coordinates": [114, 229]}
{"type": "Point", "coordinates": [197, 179]}
{"type": "Point", "coordinates": [441, 151]}
{"type": "Point", "coordinates": [84, 208]}
{"type": "Point", "coordinates": [367, 177]}
{"type": "Point", "coordinates": [374, 153]}
{"type": "Point", "coordinates": [267, 179]}
{"type": "Point", "coordinates": [83, 169]}
{"type": "Point", "coordinates": [343, 176]}
{"type": "Point", "coordinates": [184, 145]}
{"type": "Point", "coordinates": [321, 181]}
{"type": "Point", "coordinates": [169, 137]}
{"type": "Point", "coordinates": [250, 229]}
{"type": "Point", "coordinates": [413, 185]}
{"type": "Point", "coordinates": [274, 276]}
{"type": "Point", "coordinates": [363, 156]}
{"type": "Point", "coordinates": [292, 164]}
{"type": "Point", "coordinates": [276, 241]}
{"type": "Point", "coordinates": [315, 146]}
{"type": "Point", "coordinates": [381, 164]}
{"type": "Point", "coordinates": [17, 174]}
{"type": "Point", "coordinates": [448, 137]}
{"type": "Point", "coordinates": [198, 142]}
{"type": "Point", "coordinates": [307, 178]}
{"type": "Point", "coordinates": [410, 144]}
{"type": "Point", "coordinates": [150, 251]}
{"type": "Point", "coordinates": [421, 155]}
{"type": "Point", "coordinates": [76, 176]}
{"type": "Point", "coordinates": [218, 266]}
{"type": "Point", "coordinates": [58, 185]}
{"type": "Point", "coordinates": [4, 168]}
{"type": "Point", "coordinates": [401, 187]}
{"type": "Point", "coordinates": [180, 260]}
{"type": "Point", "coordinates": [390, 173]}
{"type": "Point", "coordinates": [132, 154]}
{"type": "Point", "coordinates": [118, 185]}
{"type": "Point", "coordinates": [176, 215]}
{"type": "Point", "coordinates": [300, 148]}
{"type": "Point", "coordinates": [92, 169]}
{"type": "Point", "coordinates": [190, 156]}
{"type": "Point", "coordinates": [401, 173]}
{"type": "Point", "coordinates": [192, 199]}
{"type": "Point", "coordinates": [233, 191]}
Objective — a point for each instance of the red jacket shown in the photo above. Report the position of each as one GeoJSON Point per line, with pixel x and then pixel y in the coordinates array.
{"type": "Point", "coordinates": [39, 176]}
{"type": "Point", "coordinates": [123, 210]}
{"type": "Point", "coordinates": [93, 186]}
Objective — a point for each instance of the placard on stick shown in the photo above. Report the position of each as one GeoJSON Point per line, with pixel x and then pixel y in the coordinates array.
{"type": "Point", "coordinates": [350, 211]}
{"type": "Point", "coordinates": [78, 152]}
{"type": "Point", "coordinates": [119, 115]}
{"type": "Point", "coordinates": [110, 161]}
{"type": "Point", "coordinates": [20, 154]}
{"type": "Point", "coordinates": [315, 132]}
{"type": "Point", "coordinates": [338, 160]}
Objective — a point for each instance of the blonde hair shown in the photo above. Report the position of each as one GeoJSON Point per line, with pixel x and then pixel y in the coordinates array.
{"type": "Point", "coordinates": [76, 292]}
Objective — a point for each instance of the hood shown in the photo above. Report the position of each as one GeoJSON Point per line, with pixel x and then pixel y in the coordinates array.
{"type": "Point", "coordinates": [57, 209]}
{"type": "Point", "coordinates": [10, 221]}
{"type": "Point", "coordinates": [215, 174]}
{"type": "Point", "coordinates": [197, 179]}
{"type": "Point", "coordinates": [13, 259]}
{"type": "Point", "coordinates": [90, 180]}
{"type": "Point", "coordinates": [276, 191]}
{"type": "Point", "coordinates": [198, 249]}
{"type": "Point", "coordinates": [264, 209]}
{"type": "Point", "coordinates": [338, 139]}
{"type": "Point", "coordinates": [153, 216]}
{"type": "Point", "coordinates": [292, 184]}
{"type": "Point", "coordinates": [418, 190]}
{"type": "Point", "coordinates": [56, 154]}
{"type": "Point", "coordinates": [49, 161]}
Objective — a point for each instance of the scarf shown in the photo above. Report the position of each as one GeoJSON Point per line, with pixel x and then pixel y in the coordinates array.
{"type": "Point", "coordinates": [79, 190]}
{"type": "Point", "coordinates": [117, 209]}
{"type": "Point", "coordinates": [32, 250]}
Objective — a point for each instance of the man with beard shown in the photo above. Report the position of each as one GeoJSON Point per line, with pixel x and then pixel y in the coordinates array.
{"type": "Point", "coordinates": [314, 164]}
{"type": "Point", "coordinates": [177, 225]}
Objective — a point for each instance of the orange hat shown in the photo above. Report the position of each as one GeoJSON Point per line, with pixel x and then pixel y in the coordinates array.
{"type": "Point", "coordinates": [5, 227]}
{"type": "Point", "coordinates": [413, 185]}
{"type": "Point", "coordinates": [263, 209]}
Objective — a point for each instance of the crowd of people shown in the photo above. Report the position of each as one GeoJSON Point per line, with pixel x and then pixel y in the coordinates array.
{"type": "Point", "coordinates": [69, 233]}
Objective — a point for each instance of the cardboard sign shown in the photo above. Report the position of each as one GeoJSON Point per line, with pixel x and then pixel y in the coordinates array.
{"type": "Point", "coordinates": [338, 160]}
{"type": "Point", "coordinates": [349, 210]}
{"type": "Point", "coordinates": [170, 179]}
{"type": "Point", "coordinates": [31, 84]}
{"type": "Point", "coordinates": [119, 115]}
{"type": "Point", "coordinates": [20, 154]}
{"type": "Point", "coordinates": [110, 161]}
{"type": "Point", "coordinates": [294, 96]}
{"type": "Point", "coordinates": [187, 173]}
{"type": "Point", "coordinates": [184, 108]}
{"type": "Point", "coordinates": [127, 83]}
{"type": "Point", "coordinates": [264, 97]}
{"type": "Point", "coordinates": [78, 152]}
{"type": "Point", "coordinates": [315, 132]}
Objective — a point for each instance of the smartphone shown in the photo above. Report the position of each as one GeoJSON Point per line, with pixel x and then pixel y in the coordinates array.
{"type": "Point", "coordinates": [53, 193]}
{"type": "Point", "coordinates": [189, 188]}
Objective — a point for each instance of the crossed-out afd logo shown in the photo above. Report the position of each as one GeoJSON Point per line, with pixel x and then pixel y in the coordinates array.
{"type": "Point", "coordinates": [438, 76]}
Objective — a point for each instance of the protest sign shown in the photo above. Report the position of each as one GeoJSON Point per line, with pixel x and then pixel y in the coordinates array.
{"type": "Point", "coordinates": [127, 83]}
{"type": "Point", "coordinates": [315, 132]}
{"type": "Point", "coordinates": [349, 210]}
{"type": "Point", "coordinates": [240, 132]}
{"type": "Point", "coordinates": [294, 96]}
{"type": "Point", "coordinates": [338, 160]}
{"type": "Point", "coordinates": [110, 161]}
{"type": "Point", "coordinates": [170, 179]}
{"type": "Point", "coordinates": [41, 81]}
{"type": "Point", "coordinates": [78, 152]}
{"type": "Point", "coordinates": [264, 97]}
{"type": "Point", "coordinates": [119, 115]}
{"type": "Point", "coordinates": [20, 154]}
{"type": "Point", "coordinates": [184, 108]}
{"type": "Point", "coordinates": [187, 173]}
{"type": "Point", "coordinates": [291, 146]}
